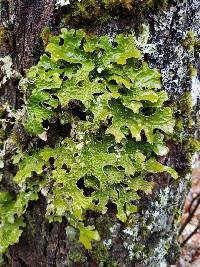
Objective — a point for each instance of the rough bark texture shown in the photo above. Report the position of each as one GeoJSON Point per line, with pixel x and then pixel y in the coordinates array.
{"type": "Point", "coordinates": [151, 239]}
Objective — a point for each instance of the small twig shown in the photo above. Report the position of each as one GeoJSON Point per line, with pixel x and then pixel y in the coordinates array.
{"type": "Point", "coordinates": [190, 235]}
{"type": "Point", "coordinates": [191, 214]}
{"type": "Point", "coordinates": [193, 200]}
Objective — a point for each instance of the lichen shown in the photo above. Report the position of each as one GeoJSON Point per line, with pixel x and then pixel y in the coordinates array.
{"type": "Point", "coordinates": [11, 211]}
{"type": "Point", "coordinates": [144, 238]}
{"type": "Point", "coordinates": [60, 3]}
{"type": "Point", "coordinates": [7, 69]}
{"type": "Point", "coordinates": [142, 229]}
{"type": "Point", "coordinates": [114, 138]}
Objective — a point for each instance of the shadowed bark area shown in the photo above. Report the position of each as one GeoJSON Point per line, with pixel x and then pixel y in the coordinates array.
{"type": "Point", "coordinates": [150, 239]}
{"type": "Point", "coordinates": [29, 19]}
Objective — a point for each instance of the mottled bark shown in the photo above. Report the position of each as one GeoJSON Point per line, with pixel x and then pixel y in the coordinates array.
{"type": "Point", "coordinates": [151, 238]}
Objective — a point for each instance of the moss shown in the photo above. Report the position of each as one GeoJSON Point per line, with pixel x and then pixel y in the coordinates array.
{"type": "Point", "coordinates": [189, 41]}
{"type": "Point", "coordinates": [189, 147]}
{"type": "Point", "coordinates": [182, 111]}
{"type": "Point", "coordinates": [136, 234]}
{"type": "Point", "coordinates": [2, 133]}
{"type": "Point", "coordinates": [189, 183]}
{"type": "Point", "coordinates": [101, 11]}
{"type": "Point", "coordinates": [179, 125]}
{"type": "Point", "coordinates": [2, 34]}
{"type": "Point", "coordinates": [167, 246]}
{"type": "Point", "coordinates": [190, 123]}
{"type": "Point", "coordinates": [185, 105]}
{"type": "Point", "coordinates": [177, 215]}
{"type": "Point", "coordinates": [192, 72]}
{"type": "Point", "coordinates": [192, 146]}
{"type": "Point", "coordinates": [178, 130]}
{"type": "Point", "coordinates": [183, 124]}
{"type": "Point", "coordinates": [100, 254]}
{"type": "Point", "coordinates": [197, 44]}
{"type": "Point", "coordinates": [5, 42]}
{"type": "Point", "coordinates": [103, 224]}
{"type": "Point", "coordinates": [86, 10]}
{"type": "Point", "coordinates": [173, 254]}
{"type": "Point", "coordinates": [145, 5]}
{"type": "Point", "coordinates": [45, 35]}
{"type": "Point", "coordinates": [2, 112]}
{"type": "Point", "coordinates": [76, 257]}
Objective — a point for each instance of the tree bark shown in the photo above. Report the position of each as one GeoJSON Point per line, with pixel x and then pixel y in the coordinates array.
{"type": "Point", "coordinates": [152, 238]}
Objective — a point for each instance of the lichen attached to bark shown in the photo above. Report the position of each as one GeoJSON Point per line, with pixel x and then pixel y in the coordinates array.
{"type": "Point", "coordinates": [113, 108]}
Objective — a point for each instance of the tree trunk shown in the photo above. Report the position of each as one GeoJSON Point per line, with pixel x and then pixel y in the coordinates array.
{"type": "Point", "coordinates": [151, 240]}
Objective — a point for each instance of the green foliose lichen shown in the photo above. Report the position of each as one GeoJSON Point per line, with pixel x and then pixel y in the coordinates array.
{"type": "Point", "coordinates": [114, 104]}
{"type": "Point", "coordinates": [11, 215]}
